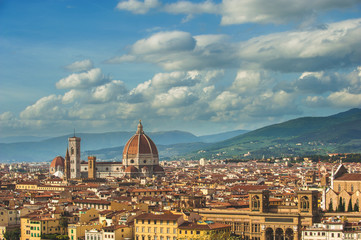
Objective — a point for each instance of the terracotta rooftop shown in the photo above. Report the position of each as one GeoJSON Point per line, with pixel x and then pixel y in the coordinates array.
{"type": "Point", "coordinates": [151, 216]}
{"type": "Point", "coordinates": [196, 226]}
{"type": "Point", "coordinates": [350, 177]}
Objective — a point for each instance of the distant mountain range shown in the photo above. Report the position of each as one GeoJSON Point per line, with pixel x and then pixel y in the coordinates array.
{"type": "Point", "coordinates": [103, 145]}
{"type": "Point", "coordinates": [302, 136]}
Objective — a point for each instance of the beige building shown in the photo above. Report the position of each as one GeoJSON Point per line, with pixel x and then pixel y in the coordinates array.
{"type": "Point", "coordinates": [344, 193]}
{"type": "Point", "coordinates": [156, 226]}
{"type": "Point", "coordinates": [261, 221]}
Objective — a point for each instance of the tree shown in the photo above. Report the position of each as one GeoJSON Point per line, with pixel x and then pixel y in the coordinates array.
{"type": "Point", "coordinates": [12, 235]}
{"type": "Point", "coordinates": [330, 206]}
{"type": "Point", "coordinates": [339, 207]}
{"type": "Point", "coordinates": [349, 208]}
{"type": "Point", "coordinates": [356, 207]}
{"type": "Point", "coordinates": [63, 222]}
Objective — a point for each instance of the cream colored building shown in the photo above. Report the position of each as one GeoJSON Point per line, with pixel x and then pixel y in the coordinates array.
{"type": "Point", "coordinates": [345, 188]}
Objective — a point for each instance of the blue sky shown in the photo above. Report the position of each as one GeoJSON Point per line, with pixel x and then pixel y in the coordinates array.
{"type": "Point", "coordinates": [199, 66]}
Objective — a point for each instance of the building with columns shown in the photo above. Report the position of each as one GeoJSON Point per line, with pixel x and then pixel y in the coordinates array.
{"type": "Point", "coordinates": [261, 221]}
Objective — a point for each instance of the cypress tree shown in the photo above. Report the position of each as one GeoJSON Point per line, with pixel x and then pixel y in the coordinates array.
{"type": "Point", "coordinates": [356, 208]}
{"type": "Point", "coordinates": [349, 208]}
{"type": "Point", "coordinates": [330, 206]}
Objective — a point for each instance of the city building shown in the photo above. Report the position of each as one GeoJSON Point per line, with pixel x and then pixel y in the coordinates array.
{"type": "Point", "coordinates": [140, 159]}
{"type": "Point", "coordinates": [344, 194]}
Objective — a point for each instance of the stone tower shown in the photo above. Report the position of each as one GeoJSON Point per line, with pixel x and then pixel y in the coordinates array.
{"type": "Point", "coordinates": [74, 152]}
{"type": "Point", "coordinates": [92, 167]}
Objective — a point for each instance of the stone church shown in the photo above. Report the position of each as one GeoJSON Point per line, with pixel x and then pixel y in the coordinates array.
{"type": "Point", "coordinates": [345, 191]}
{"type": "Point", "coordinates": [140, 159]}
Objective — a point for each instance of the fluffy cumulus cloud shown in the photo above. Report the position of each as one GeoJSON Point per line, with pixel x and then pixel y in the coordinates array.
{"type": "Point", "coordinates": [82, 80]}
{"type": "Point", "coordinates": [164, 42]}
{"type": "Point", "coordinates": [184, 96]}
{"type": "Point", "coordinates": [336, 46]}
{"type": "Point", "coordinates": [45, 108]}
{"type": "Point", "coordinates": [80, 66]}
{"type": "Point", "coordinates": [277, 11]}
{"type": "Point", "coordinates": [181, 51]}
{"type": "Point", "coordinates": [187, 7]}
{"type": "Point", "coordinates": [138, 7]}
{"type": "Point", "coordinates": [242, 11]}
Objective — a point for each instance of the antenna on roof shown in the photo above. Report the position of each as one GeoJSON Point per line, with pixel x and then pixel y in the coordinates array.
{"type": "Point", "coordinates": [74, 132]}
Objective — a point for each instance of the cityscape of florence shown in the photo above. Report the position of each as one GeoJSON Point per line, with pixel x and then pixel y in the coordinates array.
{"type": "Point", "coordinates": [180, 120]}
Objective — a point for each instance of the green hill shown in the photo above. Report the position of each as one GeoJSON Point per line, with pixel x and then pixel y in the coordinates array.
{"type": "Point", "coordinates": [302, 136]}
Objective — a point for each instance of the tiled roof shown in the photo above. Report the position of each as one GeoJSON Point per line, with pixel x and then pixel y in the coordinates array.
{"type": "Point", "coordinates": [349, 177]}
{"type": "Point", "coordinates": [165, 216]}
{"type": "Point", "coordinates": [196, 226]}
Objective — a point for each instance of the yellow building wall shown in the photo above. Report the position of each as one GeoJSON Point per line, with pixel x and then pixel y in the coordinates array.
{"type": "Point", "coordinates": [159, 228]}
{"type": "Point", "coordinates": [120, 206]}
{"type": "Point", "coordinates": [88, 215]}
{"type": "Point", "coordinates": [123, 233]}
{"type": "Point", "coordinates": [76, 231]}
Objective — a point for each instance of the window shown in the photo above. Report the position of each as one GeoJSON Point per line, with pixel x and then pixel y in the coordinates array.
{"type": "Point", "coordinates": [255, 203]}
{"type": "Point", "coordinates": [305, 205]}
{"type": "Point", "coordinates": [198, 232]}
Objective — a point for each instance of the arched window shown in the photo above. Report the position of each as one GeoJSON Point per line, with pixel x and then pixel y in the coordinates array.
{"type": "Point", "coordinates": [255, 203]}
{"type": "Point", "coordinates": [305, 205]}
{"type": "Point", "coordinates": [72, 151]}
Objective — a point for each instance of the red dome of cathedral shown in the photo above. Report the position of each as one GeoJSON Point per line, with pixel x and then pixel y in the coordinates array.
{"type": "Point", "coordinates": [139, 144]}
{"type": "Point", "coordinates": [57, 162]}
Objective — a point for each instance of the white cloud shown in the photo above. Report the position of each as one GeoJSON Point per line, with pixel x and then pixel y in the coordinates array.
{"type": "Point", "coordinates": [121, 59]}
{"type": "Point", "coordinates": [138, 7]}
{"type": "Point", "coordinates": [45, 108]}
{"type": "Point", "coordinates": [80, 66]}
{"type": "Point", "coordinates": [87, 79]}
{"type": "Point", "coordinates": [248, 81]}
{"type": "Point", "coordinates": [6, 116]}
{"type": "Point", "coordinates": [164, 42]}
{"type": "Point", "coordinates": [177, 96]}
{"type": "Point", "coordinates": [180, 51]}
{"type": "Point", "coordinates": [186, 7]}
{"type": "Point", "coordinates": [345, 99]}
{"type": "Point", "coordinates": [113, 91]}
{"type": "Point", "coordinates": [243, 11]}
{"type": "Point", "coordinates": [334, 47]}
